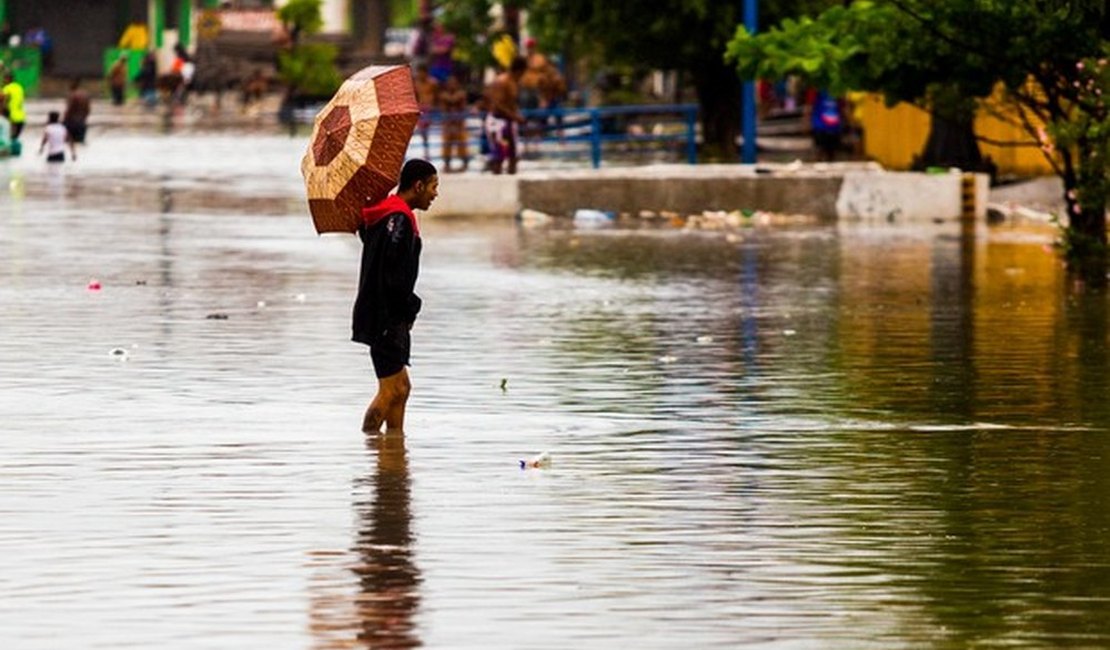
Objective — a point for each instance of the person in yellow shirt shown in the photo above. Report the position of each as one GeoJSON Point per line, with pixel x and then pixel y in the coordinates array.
{"type": "Point", "coordinates": [855, 120]}
{"type": "Point", "coordinates": [13, 104]}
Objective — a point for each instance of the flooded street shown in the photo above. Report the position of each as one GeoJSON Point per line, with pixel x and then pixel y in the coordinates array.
{"type": "Point", "coordinates": [810, 437]}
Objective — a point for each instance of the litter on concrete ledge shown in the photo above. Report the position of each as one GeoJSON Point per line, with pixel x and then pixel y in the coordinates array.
{"type": "Point", "coordinates": [589, 216]}
{"type": "Point", "coordinates": [529, 217]}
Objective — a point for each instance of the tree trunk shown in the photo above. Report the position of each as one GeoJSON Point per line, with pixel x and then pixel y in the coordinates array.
{"type": "Point", "coordinates": [952, 143]}
{"type": "Point", "coordinates": [718, 87]}
{"type": "Point", "coordinates": [369, 20]}
{"type": "Point", "coordinates": [1086, 250]}
{"type": "Point", "coordinates": [1085, 238]}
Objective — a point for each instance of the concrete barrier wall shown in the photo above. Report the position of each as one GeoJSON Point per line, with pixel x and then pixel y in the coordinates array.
{"type": "Point", "coordinates": [476, 195]}
{"type": "Point", "coordinates": [816, 196]}
{"type": "Point", "coordinates": [899, 197]}
{"type": "Point", "coordinates": [833, 192]}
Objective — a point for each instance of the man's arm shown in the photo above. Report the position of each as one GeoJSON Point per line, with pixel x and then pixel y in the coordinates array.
{"type": "Point", "coordinates": [399, 268]}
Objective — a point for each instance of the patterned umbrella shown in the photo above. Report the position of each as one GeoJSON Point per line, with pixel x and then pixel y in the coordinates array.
{"type": "Point", "coordinates": [358, 145]}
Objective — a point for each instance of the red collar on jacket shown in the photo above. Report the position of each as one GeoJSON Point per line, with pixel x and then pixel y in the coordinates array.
{"type": "Point", "coordinates": [372, 214]}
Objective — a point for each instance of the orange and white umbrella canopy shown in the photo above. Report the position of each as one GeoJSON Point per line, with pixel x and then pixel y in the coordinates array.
{"type": "Point", "coordinates": [358, 145]}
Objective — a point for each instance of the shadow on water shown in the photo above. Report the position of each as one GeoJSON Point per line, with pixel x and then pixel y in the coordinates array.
{"type": "Point", "coordinates": [388, 578]}
{"type": "Point", "coordinates": [368, 595]}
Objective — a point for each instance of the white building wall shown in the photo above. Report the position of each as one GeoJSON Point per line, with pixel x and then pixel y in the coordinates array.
{"type": "Point", "coordinates": [336, 16]}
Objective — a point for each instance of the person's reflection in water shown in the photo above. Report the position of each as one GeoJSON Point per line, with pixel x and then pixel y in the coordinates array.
{"type": "Point", "coordinates": [388, 579]}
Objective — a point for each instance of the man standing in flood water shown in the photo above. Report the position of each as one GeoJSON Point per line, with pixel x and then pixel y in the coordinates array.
{"type": "Point", "coordinates": [386, 305]}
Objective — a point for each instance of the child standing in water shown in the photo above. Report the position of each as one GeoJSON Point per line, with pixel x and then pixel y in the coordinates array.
{"type": "Point", "coordinates": [55, 137]}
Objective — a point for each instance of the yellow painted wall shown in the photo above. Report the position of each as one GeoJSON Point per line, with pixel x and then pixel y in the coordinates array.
{"type": "Point", "coordinates": [894, 135]}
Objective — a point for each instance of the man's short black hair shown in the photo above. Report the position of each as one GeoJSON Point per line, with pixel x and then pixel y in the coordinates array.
{"type": "Point", "coordinates": [415, 170]}
{"type": "Point", "coordinates": [53, 116]}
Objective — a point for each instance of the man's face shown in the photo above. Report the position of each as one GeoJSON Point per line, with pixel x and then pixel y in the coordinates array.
{"type": "Point", "coordinates": [426, 192]}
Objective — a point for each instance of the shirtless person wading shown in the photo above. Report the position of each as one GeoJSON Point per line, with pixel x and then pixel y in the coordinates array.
{"type": "Point", "coordinates": [504, 116]}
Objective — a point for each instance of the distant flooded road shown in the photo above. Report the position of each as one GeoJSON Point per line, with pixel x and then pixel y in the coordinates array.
{"type": "Point", "coordinates": [794, 438]}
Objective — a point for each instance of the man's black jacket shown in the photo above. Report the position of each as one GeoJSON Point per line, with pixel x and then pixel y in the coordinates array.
{"type": "Point", "coordinates": [390, 264]}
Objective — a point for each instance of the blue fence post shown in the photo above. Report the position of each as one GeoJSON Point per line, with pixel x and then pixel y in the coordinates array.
{"type": "Point", "coordinates": [747, 107]}
{"type": "Point", "coordinates": [595, 137]}
{"type": "Point", "coordinates": [691, 136]}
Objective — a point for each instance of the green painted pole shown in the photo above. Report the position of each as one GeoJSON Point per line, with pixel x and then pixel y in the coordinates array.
{"type": "Point", "coordinates": [185, 24]}
{"type": "Point", "coordinates": [158, 22]}
{"type": "Point", "coordinates": [3, 12]}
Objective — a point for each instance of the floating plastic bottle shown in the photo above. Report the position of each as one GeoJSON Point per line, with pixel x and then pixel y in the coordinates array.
{"type": "Point", "coordinates": [585, 216]}
{"type": "Point", "coordinates": [536, 462]}
{"type": "Point", "coordinates": [93, 285]}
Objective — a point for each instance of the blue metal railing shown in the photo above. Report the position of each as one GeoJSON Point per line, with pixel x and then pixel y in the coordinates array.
{"type": "Point", "coordinates": [588, 133]}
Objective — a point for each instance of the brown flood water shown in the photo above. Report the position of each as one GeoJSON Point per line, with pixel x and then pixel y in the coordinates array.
{"type": "Point", "coordinates": [798, 438]}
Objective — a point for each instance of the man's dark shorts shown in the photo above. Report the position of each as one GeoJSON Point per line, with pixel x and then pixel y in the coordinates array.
{"type": "Point", "coordinates": [390, 350]}
{"type": "Point", "coordinates": [77, 132]}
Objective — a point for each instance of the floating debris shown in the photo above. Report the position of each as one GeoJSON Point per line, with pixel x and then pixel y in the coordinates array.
{"type": "Point", "coordinates": [536, 462]}
{"type": "Point", "coordinates": [217, 316]}
{"type": "Point", "coordinates": [735, 219]}
{"type": "Point", "coordinates": [119, 354]}
{"type": "Point", "coordinates": [93, 285]}
{"type": "Point", "coordinates": [589, 217]}
{"type": "Point", "coordinates": [530, 217]}
{"type": "Point", "coordinates": [261, 304]}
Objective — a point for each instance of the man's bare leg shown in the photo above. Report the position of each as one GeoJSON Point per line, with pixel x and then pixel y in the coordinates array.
{"type": "Point", "coordinates": [375, 415]}
{"type": "Point", "coordinates": [399, 388]}
{"type": "Point", "coordinates": [388, 406]}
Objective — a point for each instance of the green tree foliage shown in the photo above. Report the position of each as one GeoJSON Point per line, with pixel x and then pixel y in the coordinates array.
{"type": "Point", "coordinates": [469, 21]}
{"type": "Point", "coordinates": [945, 54]}
{"type": "Point", "coordinates": [307, 68]}
{"type": "Point", "coordinates": [301, 17]}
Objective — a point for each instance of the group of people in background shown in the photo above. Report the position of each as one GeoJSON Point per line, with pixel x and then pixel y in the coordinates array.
{"type": "Point", "coordinates": [176, 83]}
{"type": "Point", "coordinates": [527, 83]}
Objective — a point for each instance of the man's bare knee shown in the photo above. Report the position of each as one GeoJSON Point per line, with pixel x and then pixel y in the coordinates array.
{"type": "Point", "coordinates": [396, 386]}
